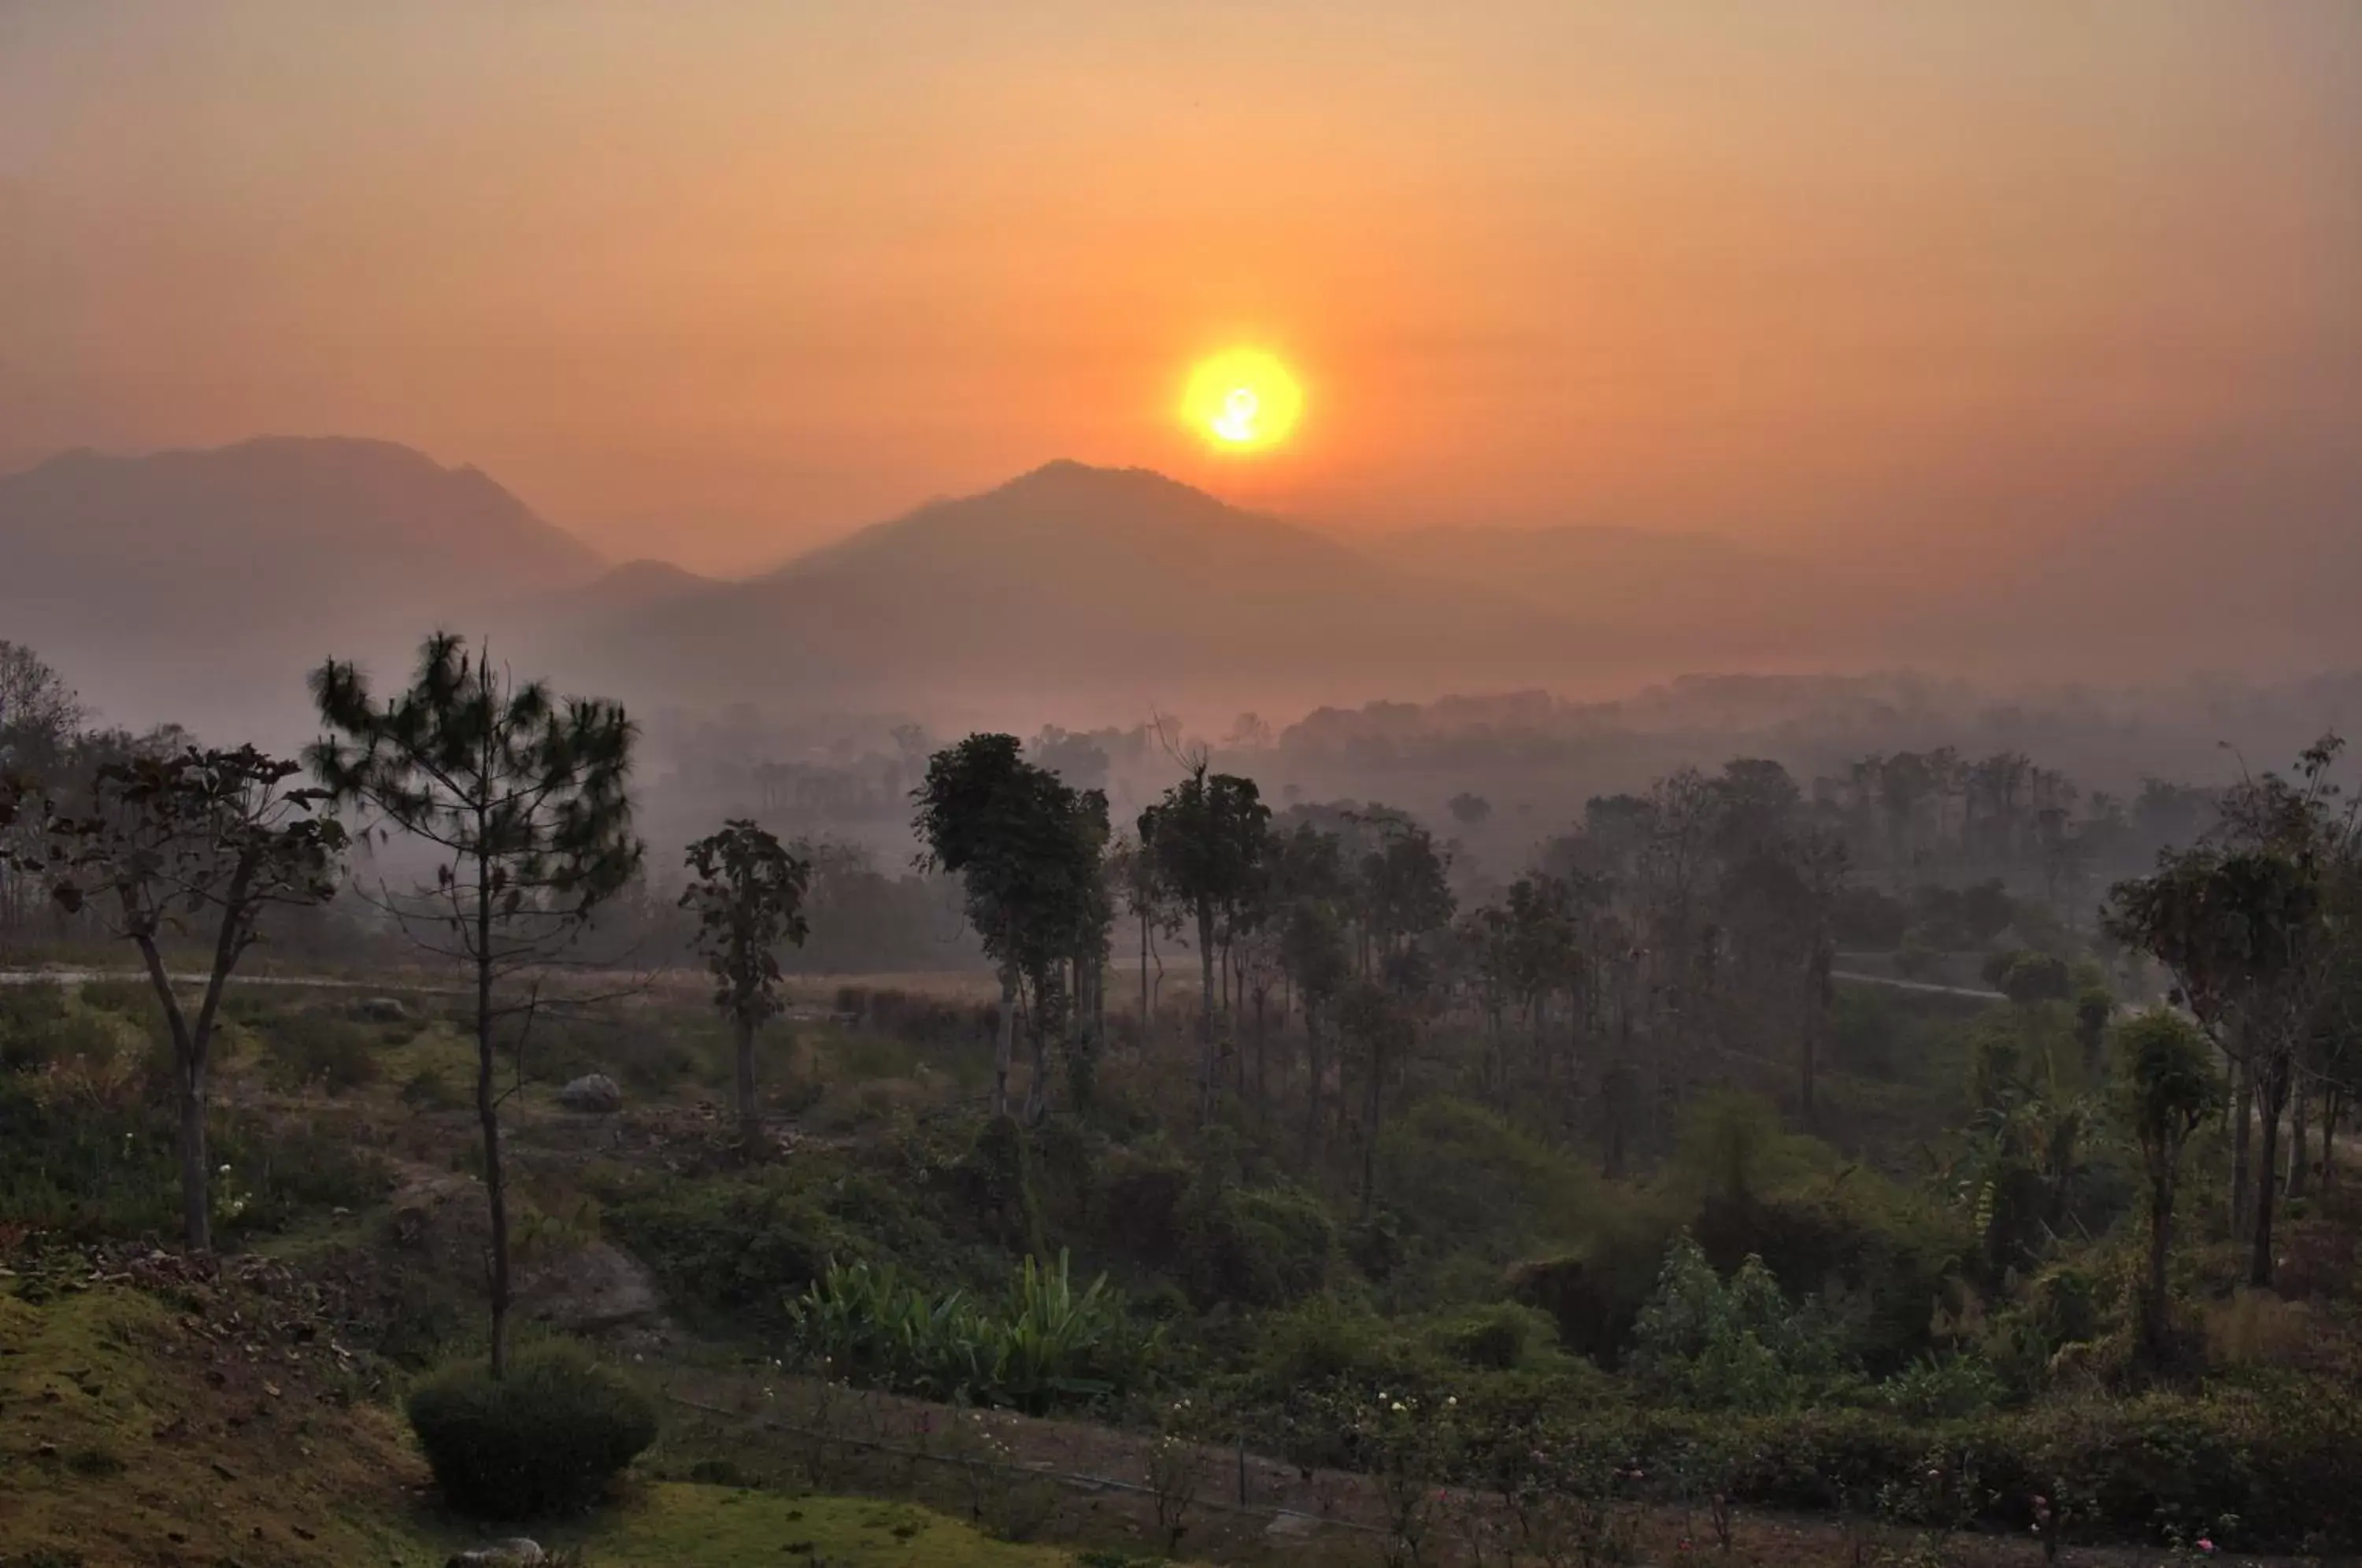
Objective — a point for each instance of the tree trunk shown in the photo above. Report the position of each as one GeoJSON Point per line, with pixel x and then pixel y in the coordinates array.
{"type": "Point", "coordinates": [1037, 1086]}
{"type": "Point", "coordinates": [189, 1096]}
{"type": "Point", "coordinates": [1820, 995]}
{"type": "Point", "coordinates": [2300, 1156]}
{"type": "Point", "coordinates": [1207, 1062]}
{"type": "Point", "coordinates": [488, 1116]}
{"type": "Point", "coordinates": [2271, 1098]}
{"type": "Point", "coordinates": [1263, 1047]}
{"type": "Point", "coordinates": [1144, 980]}
{"type": "Point", "coordinates": [2155, 1304]}
{"type": "Point", "coordinates": [196, 1220]}
{"type": "Point", "coordinates": [1540, 1003]}
{"type": "Point", "coordinates": [2242, 1112]}
{"type": "Point", "coordinates": [2333, 1106]}
{"type": "Point", "coordinates": [750, 1116]}
{"type": "Point", "coordinates": [1004, 1043]}
{"type": "Point", "coordinates": [1316, 1072]}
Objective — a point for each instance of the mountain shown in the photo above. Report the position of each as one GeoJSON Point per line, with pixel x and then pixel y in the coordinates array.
{"type": "Point", "coordinates": [179, 584]}
{"type": "Point", "coordinates": [1073, 583]}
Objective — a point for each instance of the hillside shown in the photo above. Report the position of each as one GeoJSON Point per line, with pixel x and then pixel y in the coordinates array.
{"type": "Point", "coordinates": [165, 584]}
{"type": "Point", "coordinates": [1070, 582]}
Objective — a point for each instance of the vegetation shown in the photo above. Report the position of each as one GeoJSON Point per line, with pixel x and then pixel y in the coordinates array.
{"type": "Point", "coordinates": [1752, 1145]}
{"type": "Point", "coordinates": [1045, 1343]}
{"type": "Point", "coordinates": [522, 800]}
{"type": "Point", "coordinates": [164, 841]}
{"type": "Point", "coordinates": [545, 1438]}
{"type": "Point", "coordinates": [748, 896]}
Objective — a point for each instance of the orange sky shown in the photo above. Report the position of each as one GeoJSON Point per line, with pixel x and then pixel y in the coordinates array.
{"type": "Point", "coordinates": [711, 282]}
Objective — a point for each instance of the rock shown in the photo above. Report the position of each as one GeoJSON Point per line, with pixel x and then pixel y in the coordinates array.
{"type": "Point", "coordinates": [517, 1551]}
{"type": "Point", "coordinates": [595, 1094]}
{"type": "Point", "coordinates": [381, 1009]}
{"type": "Point", "coordinates": [1289, 1525]}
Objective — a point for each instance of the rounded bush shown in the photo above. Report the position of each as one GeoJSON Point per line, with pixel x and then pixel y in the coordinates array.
{"type": "Point", "coordinates": [546, 1438]}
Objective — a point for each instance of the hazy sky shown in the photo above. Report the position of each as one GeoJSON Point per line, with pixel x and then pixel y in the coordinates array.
{"type": "Point", "coordinates": [712, 280]}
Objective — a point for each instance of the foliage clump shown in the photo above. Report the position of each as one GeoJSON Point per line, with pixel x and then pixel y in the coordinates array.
{"type": "Point", "coordinates": [1734, 1343]}
{"type": "Point", "coordinates": [545, 1438]}
{"type": "Point", "coordinates": [1046, 1343]}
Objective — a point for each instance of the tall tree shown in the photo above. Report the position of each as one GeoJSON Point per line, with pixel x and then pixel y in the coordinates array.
{"type": "Point", "coordinates": [523, 801]}
{"type": "Point", "coordinates": [748, 895]}
{"type": "Point", "coordinates": [1209, 837]}
{"type": "Point", "coordinates": [206, 841]}
{"type": "Point", "coordinates": [40, 717]}
{"type": "Point", "coordinates": [1132, 872]}
{"type": "Point", "coordinates": [2246, 925]}
{"type": "Point", "coordinates": [2168, 1085]}
{"type": "Point", "coordinates": [1028, 852]}
{"type": "Point", "coordinates": [1404, 885]}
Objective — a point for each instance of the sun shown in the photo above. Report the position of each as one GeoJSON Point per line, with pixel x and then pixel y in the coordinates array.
{"type": "Point", "coordinates": [1243, 399]}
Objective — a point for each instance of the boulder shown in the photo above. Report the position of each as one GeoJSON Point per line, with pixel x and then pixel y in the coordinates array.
{"type": "Point", "coordinates": [381, 1009]}
{"type": "Point", "coordinates": [594, 1094]}
{"type": "Point", "coordinates": [517, 1551]}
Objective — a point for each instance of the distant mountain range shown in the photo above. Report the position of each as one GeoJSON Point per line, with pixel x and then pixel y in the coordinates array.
{"type": "Point", "coordinates": [1069, 583]}
{"type": "Point", "coordinates": [186, 582]}
{"type": "Point", "coordinates": [200, 585]}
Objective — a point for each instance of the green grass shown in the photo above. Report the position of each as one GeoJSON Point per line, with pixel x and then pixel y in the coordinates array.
{"type": "Point", "coordinates": [680, 1525]}
{"type": "Point", "coordinates": [111, 1430]}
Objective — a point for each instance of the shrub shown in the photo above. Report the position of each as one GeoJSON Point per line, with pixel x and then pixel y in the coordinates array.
{"type": "Point", "coordinates": [546, 1439]}
{"type": "Point", "coordinates": [1139, 1206]}
{"type": "Point", "coordinates": [1874, 1255]}
{"type": "Point", "coordinates": [33, 1025]}
{"type": "Point", "coordinates": [1461, 1175]}
{"type": "Point", "coordinates": [1730, 1344]}
{"type": "Point", "coordinates": [1047, 1344]}
{"type": "Point", "coordinates": [742, 1249]}
{"type": "Point", "coordinates": [32, 1040]}
{"type": "Point", "coordinates": [1940, 1388]}
{"type": "Point", "coordinates": [1499, 1337]}
{"type": "Point", "coordinates": [1253, 1246]}
{"type": "Point", "coordinates": [994, 1179]}
{"type": "Point", "coordinates": [311, 1049]}
{"type": "Point", "coordinates": [1595, 1293]}
{"type": "Point", "coordinates": [1325, 1340]}
{"type": "Point", "coordinates": [428, 1090]}
{"type": "Point", "coordinates": [90, 1170]}
{"type": "Point", "coordinates": [2279, 1472]}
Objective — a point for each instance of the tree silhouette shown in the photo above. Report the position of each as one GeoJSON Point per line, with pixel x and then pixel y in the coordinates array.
{"type": "Point", "coordinates": [1028, 852]}
{"type": "Point", "coordinates": [2248, 928]}
{"type": "Point", "coordinates": [521, 798]}
{"type": "Point", "coordinates": [748, 896]}
{"type": "Point", "coordinates": [2168, 1087]}
{"type": "Point", "coordinates": [197, 840]}
{"type": "Point", "coordinates": [1209, 837]}
{"type": "Point", "coordinates": [39, 716]}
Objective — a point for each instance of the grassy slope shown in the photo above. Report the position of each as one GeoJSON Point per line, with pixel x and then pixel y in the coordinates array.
{"type": "Point", "coordinates": [116, 1412]}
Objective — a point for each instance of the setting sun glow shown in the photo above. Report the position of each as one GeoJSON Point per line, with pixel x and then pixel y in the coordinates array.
{"type": "Point", "coordinates": [1243, 400]}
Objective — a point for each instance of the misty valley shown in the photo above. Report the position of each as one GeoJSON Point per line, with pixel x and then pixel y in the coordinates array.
{"type": "Point", "coordinates": [1377, 1137]}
